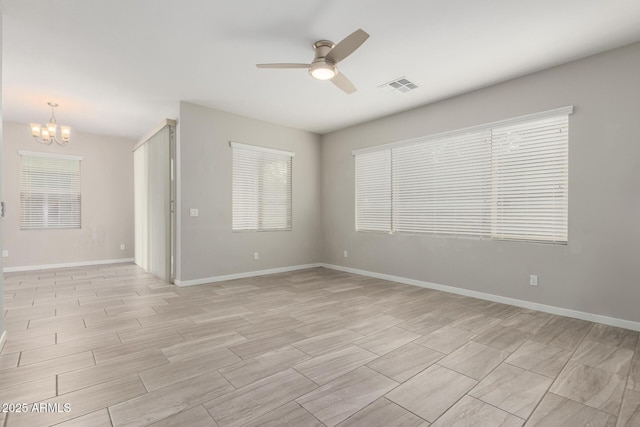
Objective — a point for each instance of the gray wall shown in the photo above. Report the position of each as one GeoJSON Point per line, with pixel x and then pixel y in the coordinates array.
{"type": "Point", "coordinates": [597, 272]}
{"type": "Point", "coordinates": [207, 246]}
{"type": "Point", "coordinates": [107, 201]}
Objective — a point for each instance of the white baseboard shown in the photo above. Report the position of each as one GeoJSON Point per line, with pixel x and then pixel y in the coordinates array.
{"type": "Point", "coordinates": [66, 265]}
{"type": "Point", "coordinates": [611, 321]}
{"type": "Point", "coordinates": [214, 279]}
{"type": "Point", "coordinates": [3, 339]}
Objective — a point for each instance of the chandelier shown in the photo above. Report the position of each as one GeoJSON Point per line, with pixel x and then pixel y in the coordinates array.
{"type": "Point", "coordinates": [46, 134]}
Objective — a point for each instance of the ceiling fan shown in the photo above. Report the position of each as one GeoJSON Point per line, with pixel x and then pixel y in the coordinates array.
{"type": "Point", "coordinates": [327, 55]}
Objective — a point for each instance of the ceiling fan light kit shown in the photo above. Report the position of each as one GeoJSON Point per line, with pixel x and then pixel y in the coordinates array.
{"type": "Point", "coordinates": [321, 68]}
{"type": "Point", "coordinates": [326, 56]}
{"type": "Point", "coordinates": [321, 71]}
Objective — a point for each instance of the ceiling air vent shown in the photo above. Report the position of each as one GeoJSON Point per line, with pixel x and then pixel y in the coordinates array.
{"type": "Point", "coordinates": [401, 84]}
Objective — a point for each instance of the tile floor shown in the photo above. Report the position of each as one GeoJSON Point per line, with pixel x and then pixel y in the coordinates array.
{"type": "Point", "coordinates": [309, 348]}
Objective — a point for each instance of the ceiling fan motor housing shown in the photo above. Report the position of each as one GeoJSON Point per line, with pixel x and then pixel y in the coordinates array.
{"type": "Point", "coordinates": [321, 68]}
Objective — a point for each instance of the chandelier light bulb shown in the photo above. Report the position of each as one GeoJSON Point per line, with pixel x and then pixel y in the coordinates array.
{"type": "Point", "coordinates": [35, 130]}
{"type": "Point", "coordinates": [51, 127]}
{"type": "Point", "coordinates": [65, 132]}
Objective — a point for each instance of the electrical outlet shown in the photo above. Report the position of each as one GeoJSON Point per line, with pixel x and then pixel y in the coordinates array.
{"type": "Point", "coordinates": [533, 280]}
{"type": "Point", "coordinates": [122, 246]}
{"type": "Point", "coordinates": [346, 254]}
{"type": "Point", "coordinates": [256, 256]}
{"type": "Point", "coordinates": [193, 212]}
{"type": "Point", "coordinates": [5, 253]}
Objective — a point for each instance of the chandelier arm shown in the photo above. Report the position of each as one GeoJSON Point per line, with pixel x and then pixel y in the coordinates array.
{"type": "Point", "coordinates": [42, 141]}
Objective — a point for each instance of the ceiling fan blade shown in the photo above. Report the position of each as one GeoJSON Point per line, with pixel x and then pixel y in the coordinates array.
{"type": "Point", "coordinates": [347, 46]}
{"type": "Point", "coordinates": [282, 65]}
{"type": "Point", "coordinates": [343, 83]}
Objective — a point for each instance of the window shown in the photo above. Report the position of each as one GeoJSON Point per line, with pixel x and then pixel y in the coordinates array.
{"type": "Point", "coordinates": [49, 191]}
{"type": "Point", "coordinates": [506, 180]}
{"type": "Point", "coordinates": [442, 185]}
{"type": "Point", "coordinates": [261, 188]}
{"type": "Point", "coordinates": [530, 180]}
{"type": "Point", "coordinates": [373, 191]}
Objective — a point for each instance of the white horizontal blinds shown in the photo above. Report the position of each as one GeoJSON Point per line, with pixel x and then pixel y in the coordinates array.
{"type": "Point", "coordinates": [275, 197]}
{"type": "Point", "coordinates": [245, 190]}
{"type": "Point", "coordinates": [261, 189]}
{"type": "Point", "coordinates": [442, 186]}
{"type": "Point", "coordinates": [49, 192]}
{"type": "Point", "coordinates": [530, 180]}
{"type": "Point", "coordinates": [503, 180]}
{"type": "Point", "coordinates": [373, 191]}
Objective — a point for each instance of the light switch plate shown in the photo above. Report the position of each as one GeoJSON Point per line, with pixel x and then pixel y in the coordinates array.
{"type": "Point", "coordinates": [193, 212]}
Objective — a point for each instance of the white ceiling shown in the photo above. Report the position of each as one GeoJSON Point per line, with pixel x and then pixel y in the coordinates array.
{"type": "Point", "coordinates": [119, 67]}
